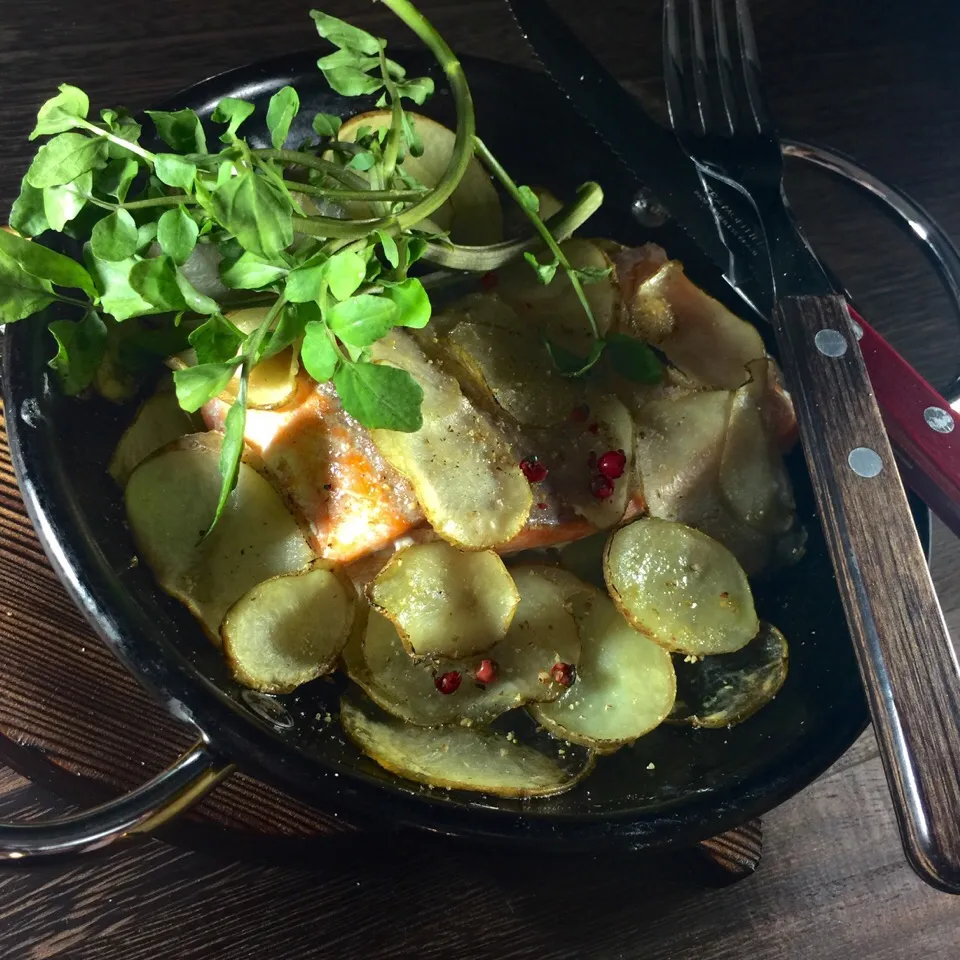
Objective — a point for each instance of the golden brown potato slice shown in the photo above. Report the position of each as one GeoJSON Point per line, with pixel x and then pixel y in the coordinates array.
{"type": "Point", "coordinates": [554, 308]}
{"type": "Point", "coordinates": [723, 691]}
{"type": "Point", "coordinates": [680, 587]}
{"type": "Point", "coordinates": [697, 333]}
{"type": "Point", "coordinates": [159, 421]}
{"type": "Point", "coordinates": [472, 215]}
{"type": "Point", "coordinates": [457, 757]}
{"type": "Point", "coordinates": [464, 473]}
{"type": "Point", "coordinates": [446, 602]}
{"type": "Point", "coordinates": [625, 683]}
{"type": "Point", "coordinates": [289, 630]}
{"type": "Point", "coordinates": [170, 501]}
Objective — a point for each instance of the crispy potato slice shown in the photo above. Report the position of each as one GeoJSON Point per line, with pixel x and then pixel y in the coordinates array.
{"type": "Point", "coordinates": [554, 308]}
{"type": "Point", "coordinates": [446, 602]}
{"type": "Point", "coordinates": [625, 684]}
{"type": "Point", "coordinates": [697, 333]}
{"type": "Point", "coordinates": [680, 587]}
{"type": "Point", "coordinates": [752, 478]}
{"type": "Point", "coordinates": [472, 215]}
{"type": "Point", "coordinates": [571, 585]}
{"type": "Point", "coordinates": [542, 633]}
{"type": "Point", "coordinates": [723, 691]}
{"type": "Point", "coordinates": [170, 500]}
{"type": "Point", "coordinates": [159, 421]}
{"type": "Point", "coordinates": [463, 471]}
{"type": "Point", "coordinates": [289, 630]}
{"type": "Point", "coordinates": [457, 757]}
{"type": "Point", "coordinates": [513, 368]}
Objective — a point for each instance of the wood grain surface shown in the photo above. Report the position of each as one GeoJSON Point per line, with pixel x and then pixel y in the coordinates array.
{"type": "Point", "coordinates": [877, 81]}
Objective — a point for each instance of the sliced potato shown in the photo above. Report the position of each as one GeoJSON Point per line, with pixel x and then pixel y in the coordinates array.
{"type": "Point", "coordinates": [514, 369]}
{"type": "Point", "coordinates": [542, 633]}
{"type": "Point", "coordinates": [289, 630]}
{"type": "Point", "coordinates": [680, 442]}
{"type": "Point", "coordinates": [554, 308]}
{"type": "Point", "coordinates": [472, 215]}
{"type": "Point", "coordinates": [572, 461]}
{"type": "Point", "coordinates": [680, 587]}
{"type": "Point", "coordinates": [446, 602]}
{"type": "Point", "coordinates": [170, 500]}
{"type": "Point", "coordinates": [457, 757]}
{"type": "Point", "coordinates": [752, 478]}
{"type": "Point", "coordinates": [571, 585]}
{"type": "Point", "coordinates": [723, 691]}
{"type": "Point", "coordinates": [159, 421]}
{"type": "Point", "coordinates": [625, 683]}
{"type": "Point", "coordinates": [463, 471]}
{"type": "Point", "coordinates": [697, 333]}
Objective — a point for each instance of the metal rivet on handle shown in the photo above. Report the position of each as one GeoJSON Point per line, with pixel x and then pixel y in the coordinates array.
{"type": "Point", "coordinates": [831, 343]}
{"type": "Point", "coordinates": [865, 462]}
{"type": "Point", "coordinates": [857, 329]}
{"type": "Point", "coordinates": [648, 211]}
{"type": "Point", "coordinates": [938, 419]}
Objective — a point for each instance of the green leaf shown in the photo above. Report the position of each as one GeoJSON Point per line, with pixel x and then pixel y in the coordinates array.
{"type": "Point", "coordinates": [62, 204]}
{"type": "Point", "coordinates": [304, 283]}
{"type": "Point", "coordinates": [349, 81]}
{"type": "Point", "coordinates": [389, 247]}
{"type": "Point", "coordinates": [80, 348]}
{"type": "Point", "coordinates": [569, 364]}
{"type": "Point", "coordinates": [416, 90]}
{"type": "Point", "coordinates": [27, 216]}
{"type": "Point", "coordinates": [216, 340]}
{"type": "Point", "coordinates": [117, 297]}
{"type": "Point", "coordinates": [380, 397]}
{"type": "Point", "coordinates": [155, 280]}
{"type": "Point", "coordinates": [195, 300]}
{"type": "Point", "coordinates": [115, 178]}
{"type": "Point", "coordinates": [593, 274]}
{"type": "Point", "coordinates": [345, 271]}
{"type": "Point", "coordinates": [363, 319]}
{"type": "Point", "coordinates": [61, 112]}
{"type": "Point", "coordinates": [231, 451]}
{"type": "Point", "coordinates": [362, 161]}
{"type": "Point", "coordinates": [290, 326]}
{"type": "Point", "coordinates": [326, 124]}
{"type": "Point", "coordinates": [545, 271]}
{"type": "Point", "coordinates": [344, 35]}
{"type": "Point", "coordinates": [121, 124]}
{"type": "Point", "coordinates": [250, 273]}
{"type": "Point", "coordinates": [529, 200]}
{"type": "Point", "coordinates": [410, 136]}
{"type": "Point", "coordinates": [318, 355]}
{"type": "Point", "coordinates": [180, 130]}
{"type": "Point", "coordinates": [256, 213]}
{"type": "Point", "coordinates": [412, 302]}
{"type": "Point", "coordinates": [21, 293]}
{"type": "Point", "coordinates": [177, 234]}
{"type": "Point", "coordinates": [283, 107]}
{"type": "Point", "coordinates": [146, 234]}
{"type": "Point", "coordinates": [232, 111]}
{"type": "Point", "coordinates": [46, 264]}
{"type": "Point", "coordinates": [633, 359]}
{"type": "Point", "coordinates": [197, 385]}
{"type": "Point", "coordinates": [174, 171]}
{"type": "Point", "coordinates": [114, 237]}
{"type": "Point", "coordinates": [64, 158]}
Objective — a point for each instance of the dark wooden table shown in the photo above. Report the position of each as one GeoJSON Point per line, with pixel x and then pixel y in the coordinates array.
{"type": "Point", "coordinates": [878, 81]}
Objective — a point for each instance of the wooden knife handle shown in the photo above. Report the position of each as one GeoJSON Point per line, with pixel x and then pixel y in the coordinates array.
{"type": "Point", "coordinates": [907, 660]}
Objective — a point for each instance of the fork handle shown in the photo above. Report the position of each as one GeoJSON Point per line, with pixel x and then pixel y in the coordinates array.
{"type": "Point", "coordinates": [907, 660]}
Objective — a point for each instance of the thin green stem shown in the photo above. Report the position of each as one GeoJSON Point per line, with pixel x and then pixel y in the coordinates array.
{"type": "Point", "coordinates": [73, 301]}
{"type": "Point", "coordinates": [300, 158]}
{"type": "Point", "coordinates": [493, 165]}
{"type": "Point", "coordinates": [134, 148]}
{"type": "Point", "coordinates": [141, 204]}
{"type": "Point", "coordinates": [333, 194]}
{"type": "Point", "coordinates": [327, 227]}
{"type": "Point", "coordinates": [396, 116]}
{"type": "Point", "coordinates": [254, 345]}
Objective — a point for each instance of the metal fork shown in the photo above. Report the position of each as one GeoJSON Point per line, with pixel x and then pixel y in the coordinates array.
{"type": "Point", "coordinates": [907, 660]}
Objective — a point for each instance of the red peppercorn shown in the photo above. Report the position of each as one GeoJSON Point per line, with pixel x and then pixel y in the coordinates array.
{"type": "Point", "coordinates": [612, 464]}
{"type": "Point", "coordinates": [541, 506]}
{"type": "Point", "coordinates": [448, 682]}
{"type": "Point", "coordinates": [579, 414]}
{"type": "Point", "coordinates": [601, 487]}
{"type": "Point", "coordinates": [533, 469]}
{"type": "Point", "coordinates": [486, 672]}
{"type": "Point", "coordinates": [594, 428]}
{"type": "Point", "coordinates": [489, 280]}
{"type": "Point", "coordinates": [563, 673]}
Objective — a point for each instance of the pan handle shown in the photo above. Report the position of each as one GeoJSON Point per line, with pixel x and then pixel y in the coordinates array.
{"type": "Point", "coordinates": [189, 778]}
